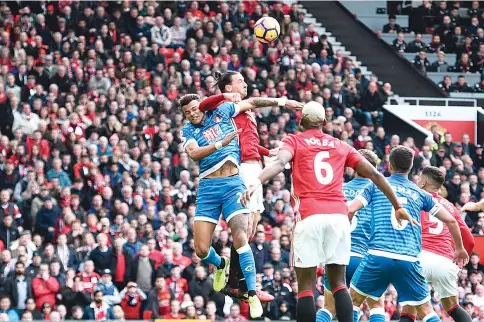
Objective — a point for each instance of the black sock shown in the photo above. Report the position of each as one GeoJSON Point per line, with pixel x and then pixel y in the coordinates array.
{"type": "Point", "coordinates": [406, 318]}
{"type": "Point", "coordinates": [459, 314]}
{"type": "Point", "coordinates": [243, 285]}
{"type": "Point", "coordinates": [343, 304]}
{"type": "Point", "coordinates": [305, 308]}
{"type": "Point", "coordinates": [234, 276]}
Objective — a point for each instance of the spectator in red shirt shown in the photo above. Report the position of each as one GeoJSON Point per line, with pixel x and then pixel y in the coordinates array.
{"type": "Point", "coordinates": [177, 284]}
{"type": "Point", "coordinates": [155, 254]}
{"type": "Point", "coordinates": [89, 277]}
{"type": "Point", "coordinates": [121, 263]}
{"type": "Point", "coordinates": [178, 258]}
{"type": "Point", "coordinates": [37, 140]}
{"type": "Point", "coordinates": [174, 312]}
{"type": "Point", "coordinates": [132, 298]}
{"type": "Point", "coordinates": [235, 315]}
{"type": "Point", "coordinates": [159, 298]}
{"type": "Point", "coordinates": [44, 287]}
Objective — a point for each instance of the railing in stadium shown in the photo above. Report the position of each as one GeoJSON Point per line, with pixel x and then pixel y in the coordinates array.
{"type": "Point", "coordinates": [431, 101]}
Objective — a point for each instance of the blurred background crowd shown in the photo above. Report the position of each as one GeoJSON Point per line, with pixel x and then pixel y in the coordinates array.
{"type": "Point", "coordinates": [98, 196]}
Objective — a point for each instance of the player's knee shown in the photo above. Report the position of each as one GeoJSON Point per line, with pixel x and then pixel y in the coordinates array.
{"type": "Point", "coordinates": [449, 302]}
{"type": "Point", "coordinates": [424, 309]}
{"type": "Point", "coordinates": [357, 298]}
{"type": "Point", "coordinates": [240, 238]}
{"type": "Point", "coordinates": [202, 250]}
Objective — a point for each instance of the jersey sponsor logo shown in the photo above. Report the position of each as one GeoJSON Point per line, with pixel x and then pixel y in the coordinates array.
{"type": "Point", "coordinates": [197, 131]}
{"type": "Point", "coordinates": [213, 134]}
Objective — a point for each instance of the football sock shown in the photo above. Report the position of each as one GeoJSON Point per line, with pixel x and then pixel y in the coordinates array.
{"type": "Point", "coordinates": [214, 259]}
{"type": "Point", "coordinates": [247, 265]}
{"type": "Point", "coordinates": [377, 315]}
{"type": "Point", "coordinates": [324, 315]}
{"type": "Point", "coordinates": [432, 317]}
{"type": "Point", "coordinates": [305, 308]}
{"type": "Point", "coordinates": [233, 281]}
{"type": "Point", "coordinates": [405, 317]}
{"type": "Point", "coordinates": [459, 314]}
{"type": "Point", "coordinates": [356, 313]}
{"type": "Point", "coordinates": [343, 304]}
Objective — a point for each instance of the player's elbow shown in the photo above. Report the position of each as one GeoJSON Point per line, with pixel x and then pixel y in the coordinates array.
{"type": "Point", "coordinates": [375, 176]}
{"type": "Point", "coordinates": [448, 219]}
{"type": "Point", "coordinates": [192, 154]}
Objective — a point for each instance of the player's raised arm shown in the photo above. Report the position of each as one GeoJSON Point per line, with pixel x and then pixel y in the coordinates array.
{"type": "Point", "coordinates": [211, 103]}
{"type": "Point", "coordinates": [461, 257]}
{"type": "Point", "coordinates": [256, 102]}
{"type": "Point", "coordinates": [196, 152]}
{"type": "Point", "coordinates": [473, 206]}
{"type": "Point", "coordinates": [283, 157]}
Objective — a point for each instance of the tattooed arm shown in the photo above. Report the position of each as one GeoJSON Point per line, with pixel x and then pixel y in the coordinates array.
{"type": "Point", "coordinates": [255, 102]}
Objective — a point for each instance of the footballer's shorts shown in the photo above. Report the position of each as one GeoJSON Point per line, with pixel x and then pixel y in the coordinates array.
{"type": "Point", "coordinates": [220, 196]}
{"type": "Point", "coordinates": [375, 273]}
{"type": "Point", "coordinates": [441, 272]}
{"type": "Point", "coordinates": [322, 238]}
{"type": "Point", "coordinates": [355, 261]}
{"type": "Point", "coordinates": [249, 172]}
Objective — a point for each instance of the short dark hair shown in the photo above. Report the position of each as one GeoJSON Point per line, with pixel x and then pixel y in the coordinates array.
{"type": "Point", "coordinates": [370, 156]}
{"type": "Point", "coordinates": [188, 98]}
{"type": "Point", "coordinates": [401, 159]}
{"type": "Point", "coordinates": [224, 79]}
{"type": "Point", "coordinates": [434, 174]}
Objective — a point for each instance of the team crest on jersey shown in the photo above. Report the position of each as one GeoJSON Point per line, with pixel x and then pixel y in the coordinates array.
{"type": "Point", "coordinates": [213, 134]}
{"type": "Point", "coordinates": [217, 119]}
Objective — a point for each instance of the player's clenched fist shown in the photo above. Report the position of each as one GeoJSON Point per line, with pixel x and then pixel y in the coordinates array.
{"type": "Point", "coordinates": [229, 138]}
{"type": "Point", "coordinates": [245, 198]}
{"type": "Point", "coordinates": [401, 214]}
{"type": "Point", "coordinates": [293, 105]}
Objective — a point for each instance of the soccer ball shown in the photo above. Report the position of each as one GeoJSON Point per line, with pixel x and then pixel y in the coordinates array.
{"type": "Point", "coordinates": [267, 30]}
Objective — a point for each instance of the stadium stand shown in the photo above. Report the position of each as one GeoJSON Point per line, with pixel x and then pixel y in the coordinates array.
{"type": "Point", "coordinates": [98, 196]}
{"type": "Point", "coordinates": [448, 28]}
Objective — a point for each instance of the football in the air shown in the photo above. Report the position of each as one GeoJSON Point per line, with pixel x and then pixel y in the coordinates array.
{"type": "Point", "coordinates": [267, 30]}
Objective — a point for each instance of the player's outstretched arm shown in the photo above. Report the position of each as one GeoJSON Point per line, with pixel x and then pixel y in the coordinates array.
{"type": "Point", "coordinates": [211, 103]}
{"type": "Point", "coordinates": [283, 157]}
{"type": "Point", "coordinates": [196, 152]}
{"type": "Point", "coordinates": [461, 257]}
{"type": "Point", "coordinates": [473, 206]}
{"type": "Point", "coordinates": [256, 102]}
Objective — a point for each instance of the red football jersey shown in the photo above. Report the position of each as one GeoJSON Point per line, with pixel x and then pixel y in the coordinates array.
{"type": "Point", "coordinates": [318, 163]}
{"type": "Point", "coordinates": [436, 237]}
{"type": "Point", "coordinates": [249, 137]}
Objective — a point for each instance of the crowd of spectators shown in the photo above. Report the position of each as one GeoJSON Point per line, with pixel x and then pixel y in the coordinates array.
{"type": "Point", "coordinates": [97, 194]}
{"type": "Point", "coordinates": [451, 34]}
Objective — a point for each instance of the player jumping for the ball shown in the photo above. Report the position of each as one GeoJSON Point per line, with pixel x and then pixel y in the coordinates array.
{"type": "Point", "coordinates": [209, 139]}
{"type": "Point", "coordinates": [322, 230]}
{"type": "Point", "coordinates": [437, 256]}
{"type": "Point", "coordinates": [394, 247]}
{"type": "Point", "coordinates": [231, 83]}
